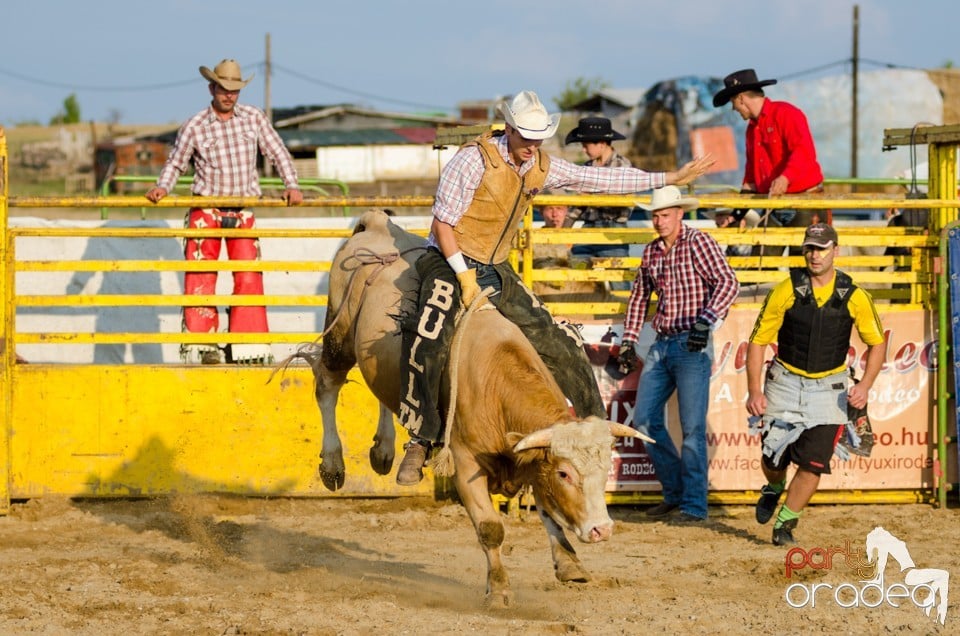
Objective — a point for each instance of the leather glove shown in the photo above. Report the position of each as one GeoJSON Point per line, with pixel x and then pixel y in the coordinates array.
{"type": "Point", "coordinates": [627, 358]}
{"type": "Point", "coordinates": [469, 289]}
{"type": "Point", "coordinates": [697, 339]}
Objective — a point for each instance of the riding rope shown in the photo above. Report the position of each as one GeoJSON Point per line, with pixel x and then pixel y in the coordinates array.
{"type": "Point", "coordinates": [442, 463]}
{"type": "Point", "coordinates": [365, 256]}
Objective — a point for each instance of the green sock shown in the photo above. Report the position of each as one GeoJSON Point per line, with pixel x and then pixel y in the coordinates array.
{"type": "Point", "coordinates": [778, 486]}
{"type": "Point", "coordinates": [785, 514]}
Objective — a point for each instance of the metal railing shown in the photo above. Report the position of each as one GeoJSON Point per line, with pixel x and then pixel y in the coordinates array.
{"type": "Point", "coordinates": [307, 184]}
{"type": "Point", "coordinates": [916, 268]}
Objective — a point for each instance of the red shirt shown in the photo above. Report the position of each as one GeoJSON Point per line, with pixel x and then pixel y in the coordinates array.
{"type": "Point", "coordinates": [779, 143]}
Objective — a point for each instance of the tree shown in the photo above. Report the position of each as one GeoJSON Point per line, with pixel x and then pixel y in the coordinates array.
{"type": "Point", "coordinates": [69, 112]}
{"type": "Point", "coordinates": [577, 90]}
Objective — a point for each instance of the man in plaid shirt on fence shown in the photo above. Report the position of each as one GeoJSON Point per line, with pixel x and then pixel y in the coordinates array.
{"type": "Point", "coordinates": [221, 142]}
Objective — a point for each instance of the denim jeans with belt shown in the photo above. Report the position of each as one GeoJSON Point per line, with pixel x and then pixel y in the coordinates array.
{"type": "Point", "coordinates": [669, 367]}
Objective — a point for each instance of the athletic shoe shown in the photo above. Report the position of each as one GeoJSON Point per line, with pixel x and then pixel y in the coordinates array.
{"type": "Point", "coordinates": [767, 504]}
{"type": "Point", "coordinates": [200, 354]}
{"type": "Point", "coordinates": [251, 354]}
{"type": "Point", "coordinates": [784, 534]}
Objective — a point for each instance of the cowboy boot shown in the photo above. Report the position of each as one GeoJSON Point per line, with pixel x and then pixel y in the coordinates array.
{"type": "Point", "coordinates": [410, 471]}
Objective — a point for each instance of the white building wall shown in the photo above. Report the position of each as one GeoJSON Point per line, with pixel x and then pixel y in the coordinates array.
{"type": "Point", "coordinates": [365, 164]}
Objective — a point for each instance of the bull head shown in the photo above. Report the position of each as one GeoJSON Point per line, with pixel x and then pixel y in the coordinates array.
{"type": "Point", "coordinates": [543, 437]}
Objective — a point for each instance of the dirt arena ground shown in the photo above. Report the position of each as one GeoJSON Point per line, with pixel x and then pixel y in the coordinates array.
{"type": "Point", "coordinates": [225, 565]}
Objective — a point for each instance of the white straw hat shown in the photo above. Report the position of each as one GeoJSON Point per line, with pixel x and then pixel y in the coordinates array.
{"type": "Point", "coordinates": [669, 197]}
{"type": "Point", "coordinates": [525, 114]}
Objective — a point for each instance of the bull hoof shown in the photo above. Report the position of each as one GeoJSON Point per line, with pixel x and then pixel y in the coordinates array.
{"type": "Point", "coordinates": [498, 600]}
{"type": "Point", "coordinates": [333, 481]}
{"type": "Point", "coordinates": [571, 572]}
{"type": "Point", "coordinates": [380, 460]}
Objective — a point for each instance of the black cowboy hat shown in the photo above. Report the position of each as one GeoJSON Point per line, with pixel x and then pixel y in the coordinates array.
{"type": "Point", "coordinates": [738, 82]}
{"type": "Point", "coordinates": [593, 129]}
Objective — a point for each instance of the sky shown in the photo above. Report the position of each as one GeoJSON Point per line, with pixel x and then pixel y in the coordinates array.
{"type": "Point", "coordinates": [137, 62]}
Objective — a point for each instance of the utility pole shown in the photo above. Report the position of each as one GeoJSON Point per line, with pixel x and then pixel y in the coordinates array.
{"type": "Point", "coordinates": [267, 166]}
{"type": "Point", "coordinates": [853, 99]}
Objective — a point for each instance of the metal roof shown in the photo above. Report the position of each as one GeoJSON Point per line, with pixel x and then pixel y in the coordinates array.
{"type": "Point", "coordinates": [299, 139]}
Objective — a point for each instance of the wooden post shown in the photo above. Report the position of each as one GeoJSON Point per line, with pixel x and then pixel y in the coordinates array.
{"type": "Point", "coordinates": [854, 123]}
{"type": "Point", "coordinates": [267, 107]}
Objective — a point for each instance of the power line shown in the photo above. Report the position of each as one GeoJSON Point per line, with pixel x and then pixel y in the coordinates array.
{"type": "Point", "coordinates": [351, 91]}
{"type": "Point", "coordinates": [133, 88]}
{"type": "Point", "coordinates": [845, 61]}
{"type": "Point", "coordinates": [890, 65]}
{"type": "Point", "coordinates": [85, 87]}
{"type": "Point", "coordinates": [258, 65]}
{"type": "Point", "coordinates": [815, 69]}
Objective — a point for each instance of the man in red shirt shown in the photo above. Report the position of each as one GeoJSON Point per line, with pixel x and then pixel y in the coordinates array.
{"type": "Point", "coordinates": [781, 157]}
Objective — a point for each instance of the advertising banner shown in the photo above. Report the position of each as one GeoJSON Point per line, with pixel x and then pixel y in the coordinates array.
{"type": "Point", "coordinates": [902, 409]}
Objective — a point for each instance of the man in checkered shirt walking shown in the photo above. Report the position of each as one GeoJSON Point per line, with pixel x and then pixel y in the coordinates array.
{"type": "Point", "coordinates": [221, 142]}
{"type": "Point", "coordinates": [695, 287]}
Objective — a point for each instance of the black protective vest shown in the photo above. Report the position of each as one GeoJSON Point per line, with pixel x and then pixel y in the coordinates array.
{"type": "Point", "coordinates": [812, 338]}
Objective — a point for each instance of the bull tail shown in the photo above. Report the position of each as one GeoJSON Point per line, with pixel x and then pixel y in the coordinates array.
{"type": "Point", "coordinates": [311, 352]}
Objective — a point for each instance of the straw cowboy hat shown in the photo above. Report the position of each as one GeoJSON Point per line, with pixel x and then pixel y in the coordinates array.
{"type": "Point", "coordinates": [738, 82]}
{"type": "Point", "coordinates": [669, 197]}
{"type": "Point", "coordinates": [227, 74]}
{"type": "Point", "coordinates": [593, 129]}
{"type": "Point", "coordinates": [525, 114]}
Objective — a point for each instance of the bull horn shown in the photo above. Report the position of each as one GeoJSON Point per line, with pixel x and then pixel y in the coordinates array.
{"type": "Point", "coordinates": [537, 439]}
{"type": "Point", "coordinates": [622, 430]}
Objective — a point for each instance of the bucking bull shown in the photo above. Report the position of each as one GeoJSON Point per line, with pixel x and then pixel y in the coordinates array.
{"type": "Point", "coordinates": [511, 427]}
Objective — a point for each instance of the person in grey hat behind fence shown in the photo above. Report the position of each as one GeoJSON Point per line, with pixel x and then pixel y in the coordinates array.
{"type": "Point", "coordinates": [781, 156]}
{"type": "Point", "coordinates": [221, 143]}
{"type": "Point", "coordinates": [481, 197]}
{"type": "Point", "coordinates": [799, 403]}
{"type": "Point", "coordinates": [596, 135]}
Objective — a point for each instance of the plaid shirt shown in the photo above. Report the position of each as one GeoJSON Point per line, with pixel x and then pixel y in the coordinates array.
{"type": "Point", "coordinates": [462, 174]}
{"type": "Point", "coordinates": [692, 280]}
{"type": "Point", "coordinates": [224, 153]}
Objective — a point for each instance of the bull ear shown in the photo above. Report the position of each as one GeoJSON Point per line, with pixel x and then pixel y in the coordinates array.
{"type": "Point", "coordinates": [622, 430]}
{"type": "Point", "coordinates": [537, 439]}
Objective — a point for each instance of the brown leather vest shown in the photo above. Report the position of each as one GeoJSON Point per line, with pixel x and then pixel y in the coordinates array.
{"type": "Point", "coordinates": [487, 230]}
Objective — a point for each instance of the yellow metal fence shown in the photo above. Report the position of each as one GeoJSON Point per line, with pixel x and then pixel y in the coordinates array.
{"type": "Point", "coordinates": [90, 430]}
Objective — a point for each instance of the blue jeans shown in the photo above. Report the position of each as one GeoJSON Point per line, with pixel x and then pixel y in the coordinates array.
{"type": "Point", "coordinates": [669, 367]}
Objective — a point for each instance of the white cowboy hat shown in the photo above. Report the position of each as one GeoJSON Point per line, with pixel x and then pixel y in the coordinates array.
{"type": "Point", "coordinates": [527, 116]}
{"type": "Point", "coordinates": [227, 74]}
{"type": "Point", "coordinates": [669, 197]}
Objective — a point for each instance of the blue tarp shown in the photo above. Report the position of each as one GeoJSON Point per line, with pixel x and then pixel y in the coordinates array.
{"type": "Point", "coordinates": [690, 100]}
